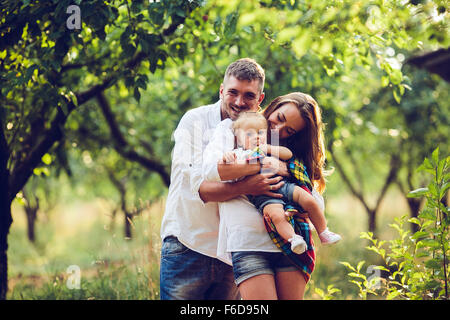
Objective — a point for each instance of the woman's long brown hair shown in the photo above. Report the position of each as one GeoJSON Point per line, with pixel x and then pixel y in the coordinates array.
{"type": "Point", "coordinates": [307, 144]}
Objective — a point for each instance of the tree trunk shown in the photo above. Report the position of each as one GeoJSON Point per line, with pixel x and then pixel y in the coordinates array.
{"type": "Point", "coordinates": [128, 217]}
{"type": "Point", "coordinates": [414, 208]}
{"type": "Point", "coordinates": [31, 223]}
{"type": "Point", "coordinates": [5, 212]}
{"type": "Point", "coordinates": [372, 221]}
{"type": "Point", "coordinates": [5, 224]}
{"type": "Point", "coordinates": [31, 209]}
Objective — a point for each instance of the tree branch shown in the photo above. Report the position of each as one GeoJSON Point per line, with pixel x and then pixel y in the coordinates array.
{"type": "Point", "coordinates": [24, 169]}
{"type": "Point", "coordinates": [123, 147]}
{"type": "Point", "coordinates": [346, 179]}
{"type": "Point", "coordinates": [390, 178]}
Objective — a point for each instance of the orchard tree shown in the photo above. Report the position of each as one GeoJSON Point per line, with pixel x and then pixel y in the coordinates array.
{"type": "Point", "coordinates": [49, 71]}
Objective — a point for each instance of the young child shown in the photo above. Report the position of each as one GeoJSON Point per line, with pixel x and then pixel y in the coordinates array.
{"type": "Point", "coordinates": [250, 131]}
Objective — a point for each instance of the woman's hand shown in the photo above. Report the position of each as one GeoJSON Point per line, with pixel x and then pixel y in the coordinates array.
{"type": "Point", "coordinates": [259, 184]}
{"type": "Point", "coordinates": [274, 165]}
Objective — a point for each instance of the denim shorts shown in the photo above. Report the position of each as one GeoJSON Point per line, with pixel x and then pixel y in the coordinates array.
{"type": "Point", "coordinates": [187, 274]}
{"type": "Point", "coordinates": [247, 264]}
{"type": "Point", "coordinates": [287, 190]}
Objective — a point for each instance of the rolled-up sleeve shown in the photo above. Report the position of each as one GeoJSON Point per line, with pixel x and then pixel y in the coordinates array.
{"type": "Point", "coordinates": [221, 142]}
{"type": "Point", "coordinates": [188, 150]}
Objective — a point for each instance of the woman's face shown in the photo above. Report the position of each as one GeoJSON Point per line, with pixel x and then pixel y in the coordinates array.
{"type": "Point", "coordinates": [286, 120]}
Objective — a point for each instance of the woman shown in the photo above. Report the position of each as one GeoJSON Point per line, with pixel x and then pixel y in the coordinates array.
{"type": "Point", "coordinates": [261, 270]}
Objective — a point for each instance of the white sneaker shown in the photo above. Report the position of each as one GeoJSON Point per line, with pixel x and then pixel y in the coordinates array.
{"type": "Point", "coordinates": [298, 244]}
{"type": "Point", "coordinates": [328, 237]}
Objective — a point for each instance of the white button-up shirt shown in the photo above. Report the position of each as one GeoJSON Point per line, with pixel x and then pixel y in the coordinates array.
{"type": "Point", "coordinates": [187, 217]}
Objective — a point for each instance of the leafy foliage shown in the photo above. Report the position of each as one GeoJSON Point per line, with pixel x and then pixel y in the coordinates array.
{"type": "Point", "coordinates": [415, 265]}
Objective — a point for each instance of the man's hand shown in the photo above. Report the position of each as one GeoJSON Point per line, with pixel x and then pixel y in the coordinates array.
{"type": "Point", "coordinates": [274, 165]}
{"type": "Point", "coordinates": [259, 184]}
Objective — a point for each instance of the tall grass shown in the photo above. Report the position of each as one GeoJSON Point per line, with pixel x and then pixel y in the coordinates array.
{"type": "Point", "coordinates": [113, 267]}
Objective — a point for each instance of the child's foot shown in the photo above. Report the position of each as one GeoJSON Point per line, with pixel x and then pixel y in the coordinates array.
{"type": "Point", "coordinates": [328, 237]}
{"type": "Point", "coordinates": [298, 244]}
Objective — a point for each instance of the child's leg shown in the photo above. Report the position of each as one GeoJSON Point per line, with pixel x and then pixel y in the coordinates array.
{"type": "Point", "coordinates": [276, 213]}
{"type": "Point", "coordinates": [307, 201]}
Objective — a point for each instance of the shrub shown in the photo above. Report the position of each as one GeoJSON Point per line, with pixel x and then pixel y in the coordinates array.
{"type": "Point", "coordinates": [414, 266]}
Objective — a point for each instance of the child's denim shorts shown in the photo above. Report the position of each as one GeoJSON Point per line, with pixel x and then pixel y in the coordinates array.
{"type": "Point", "coordinates": [247, 264]}
{"type": "Point", "coordinates": [287, 190]}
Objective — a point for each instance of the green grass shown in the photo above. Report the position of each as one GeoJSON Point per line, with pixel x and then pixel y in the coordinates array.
{"type": "Point", "coordinates": [113, 267]}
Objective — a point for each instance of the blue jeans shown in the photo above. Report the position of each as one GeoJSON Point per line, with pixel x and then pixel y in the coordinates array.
{"type": "Point", "coordinates": [188, 275]}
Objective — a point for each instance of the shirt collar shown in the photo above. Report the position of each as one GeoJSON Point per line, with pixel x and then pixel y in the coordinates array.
{"type": "Point", "coordinates": [215, 117]}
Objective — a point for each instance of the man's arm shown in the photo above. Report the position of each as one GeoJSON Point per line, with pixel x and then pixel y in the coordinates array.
{"type": "Point", "coordinates": [211, 191]}
{"type": "Point", "coordinates": [231, 171]}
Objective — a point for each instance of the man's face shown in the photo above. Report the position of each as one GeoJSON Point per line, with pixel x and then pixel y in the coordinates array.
{"type": "Point", "coordinates": [239, 95]}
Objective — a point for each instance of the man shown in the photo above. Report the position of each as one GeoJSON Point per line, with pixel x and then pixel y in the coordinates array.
{"type": "Point", "coordinates": [189, 229]}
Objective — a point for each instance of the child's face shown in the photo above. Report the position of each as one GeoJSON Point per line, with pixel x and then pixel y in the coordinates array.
{"type": "Point", "coordinates": [251, 136]}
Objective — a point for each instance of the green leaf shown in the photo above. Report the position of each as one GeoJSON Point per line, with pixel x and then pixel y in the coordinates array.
{"type": "Point", "coordinates": [431, 243]}
{"type": "Point", "coordinates": [348, 265]}
{"type": "Point", "coordinates": [137, 94]}
{"type": "Point", "coordinates": [357, 275]}
{"type": "Point", "coordinates": [427, 214]}
{"type": "Point", "coordinates": [366, 235]}
{"type": "Point", "coordinates": [433, 189]}
{"type": "Point", "coordinates": [393, 295]}
{"type": "Point", "coordinates": [140, 83]}
{"type": "Point", "coordinates": [30, 72]}
{"type": "Point", "coordinates": [230, 24]}
{"type": "Point", "coordinates": [360, 264]}
{"type": "Point", "coordinates": [432, 285]}
{"type": "Point", "coordinates": [320, 292]}
{"type": "Point", "coordinates": [440, 170]}
{"type": "Point", "coordinates": [73, 97]}
{"type": "Point", "coordinates": [418, 193]}
{"type": "Point", "coordinates": [444, 190]}
{"type": "Point", "coordinates": [426, 166]}
{"type": "Point", "coordinates": [396, 96]}
{"type": "Point", "coordinates": [396, 77]}
{"type": "Point", "coordinates": [47, 159]}
{"type": "Point", "coordinates": [156, 13]}
{"type": "Point", "coordinates": [435, 156]}
{"type": "Point", "coordinates": [381, 268]}
{"type": "Point", "coordinates": [434, 264]}
{"type": "Point", "coordinates": [179, 12]}
{"type": "Point", "coordinates": [414, 220]}
{"type": "Point", "coordinates": [419, 234]}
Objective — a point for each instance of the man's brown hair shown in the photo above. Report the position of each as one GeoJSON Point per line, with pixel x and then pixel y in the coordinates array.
{"type": "Point", "coordinates": [246, 69]}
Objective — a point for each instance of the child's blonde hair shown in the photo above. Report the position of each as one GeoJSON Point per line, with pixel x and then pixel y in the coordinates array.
{"type": "Point", "coordinates": [255, 119]}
